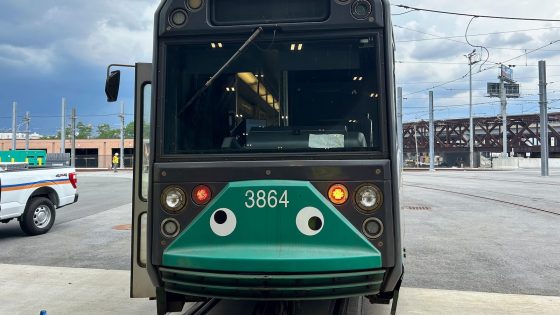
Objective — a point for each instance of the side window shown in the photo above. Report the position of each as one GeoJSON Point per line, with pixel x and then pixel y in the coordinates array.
{"type": "Point", "coordinates": [146, 136]}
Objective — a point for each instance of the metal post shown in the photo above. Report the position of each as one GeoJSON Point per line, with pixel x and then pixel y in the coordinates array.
{"type": "Point", "coordinates": [73, 150]}
{"type": "Point", "coordinates": [26, 120]}
{"type": "Point", "coordinates": [504, 118]}
{"type": "Point", "coordinates": [63, 128]}
{"type": "Point", "coordinates": [544, 118]}
{"type": "Point", "coordinates": [122, 136]}
{"type": "Point", "coordinates": [432, 133]}
{"type": "Point", "coordinates": [14, 126]}
{"type": "Point", "coordinates": [400, 125]}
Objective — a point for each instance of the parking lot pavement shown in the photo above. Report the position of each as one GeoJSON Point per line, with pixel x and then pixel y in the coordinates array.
{"type": "Point", "coordinates": [120, 174]}
{"type": "Point", "coordinates": [27, 290]}
{"type": "Point", "coordinates": [100, 241]}
{"type": "Point", "coordinates": [58, 290]}
{"type": "Point", "coordinates": [482, 231]}
{"type": "Point", "coordinates": [464, 232]}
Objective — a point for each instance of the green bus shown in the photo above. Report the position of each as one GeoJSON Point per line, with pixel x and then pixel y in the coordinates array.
{"type": "Point", "coordinates": [269, 166]}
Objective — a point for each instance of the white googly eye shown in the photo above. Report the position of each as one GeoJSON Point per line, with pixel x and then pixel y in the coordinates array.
{"type": "Point", "coordinates": [223, 222]}
{"type": "Point", "coordinates": [310, 221]}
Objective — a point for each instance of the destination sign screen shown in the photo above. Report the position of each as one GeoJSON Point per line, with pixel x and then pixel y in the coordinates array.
{"type": "Point", "coordinates": [246, 12]}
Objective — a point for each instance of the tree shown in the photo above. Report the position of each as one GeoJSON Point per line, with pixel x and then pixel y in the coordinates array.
{"type": "Point", "coordinates": [129, 130]}
{"type": "Point", "coordinates": [104, 131]}
{"type": "Point", "coordinates": [84, 131]}
{"type": "Point", "coordinates": [68, 133]}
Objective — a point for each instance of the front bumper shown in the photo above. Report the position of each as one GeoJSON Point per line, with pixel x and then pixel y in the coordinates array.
{"type": "Point", "coordinates": [306, 286]}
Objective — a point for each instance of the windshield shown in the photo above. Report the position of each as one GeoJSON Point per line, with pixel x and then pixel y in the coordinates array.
{"type": "Point", "coordinates": [277, 96]}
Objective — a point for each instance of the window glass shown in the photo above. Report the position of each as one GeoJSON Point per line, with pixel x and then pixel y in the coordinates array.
{"type": "Point", "coordinates": [279, 96]}
{"type": "Point", "coordinates": [145, 173]}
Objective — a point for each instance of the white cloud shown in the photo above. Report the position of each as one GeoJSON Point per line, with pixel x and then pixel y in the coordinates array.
{"type": "Point", "coordinates": [443, 60]}
{"type": "Point", "coordinates": [125, 37]}
{"type": "Point", "coordinates": [40, 60]}
{"type": "Point", "coordinates": [94, 33]}
{"type": "Point", "coordinates": [109, 43]}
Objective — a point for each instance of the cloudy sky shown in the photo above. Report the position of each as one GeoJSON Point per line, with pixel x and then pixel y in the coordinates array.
{"type": "Point", "coordinates": [60, 48]}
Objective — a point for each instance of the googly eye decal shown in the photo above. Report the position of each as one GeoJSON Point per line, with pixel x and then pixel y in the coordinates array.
{"type": "Point", "coordinates": [310, 221]}
{"type": "Point", "coordinates": [223, 222]}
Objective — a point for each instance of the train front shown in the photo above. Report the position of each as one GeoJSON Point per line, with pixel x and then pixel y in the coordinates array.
{"type": "Point", "coordinates": [275, 173]}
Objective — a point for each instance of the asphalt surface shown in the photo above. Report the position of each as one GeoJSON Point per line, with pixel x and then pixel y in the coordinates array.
{"type": "Point", "coordinates": [483, 231]}
{"type": "Point", "coordinates": [467, 231]}
{"type": "Point", "coordinates": [84, 233]}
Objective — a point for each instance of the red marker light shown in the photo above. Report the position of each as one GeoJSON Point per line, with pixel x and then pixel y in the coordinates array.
{"type": "Point", "coordinates": [201, 194]}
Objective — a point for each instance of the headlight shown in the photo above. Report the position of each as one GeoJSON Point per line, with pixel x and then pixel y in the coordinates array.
{"type": "Point", "coordinates": [369, 198]}
{"type": "Point", "coordinates": [170, 228]}
{"type": "Point", "coordinates": [372, 228]}
{"type": "Point", "coordinates": [178, 18]}
{"type": "Point", "coordinates": [173, 199]}
{"type": "Point", "coordinates": [194, 4]}
{"type": "Point", "coordinates": [361, 9]}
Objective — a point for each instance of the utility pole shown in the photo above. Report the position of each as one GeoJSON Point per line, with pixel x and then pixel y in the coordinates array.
{"type": "Point", "coordinates": [432, 133]}
{"type": "Point", "coordinates": [73, 150]}
{"type": "Point", "coordinates": [63, 128]}
{"type": "Point", "coordinates": [400, 125]}
{"type": "Point", "coordinates": [416, 144]}
{"type": "Point", "coordinates": [544, 118]}
{"type": "Point", "coordinates": [26, 120]}
{"type": "Point", "coordinates": [503, 102]}
{"type": "Point", "coordinates": [122, 136]}
{"type": "Point", "coordinates": [14, 126]}
{"type": "Point", "coordinates": [471, 124]}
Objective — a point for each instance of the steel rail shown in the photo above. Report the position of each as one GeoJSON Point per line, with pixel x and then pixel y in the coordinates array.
{"type": "Point", "coordinates": [485, 198]}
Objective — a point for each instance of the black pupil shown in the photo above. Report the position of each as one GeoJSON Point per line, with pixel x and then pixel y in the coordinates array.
{"type": "Point", "coordinates": [315, 223]}
{"type": "Point", "coordinates": [220, 217]}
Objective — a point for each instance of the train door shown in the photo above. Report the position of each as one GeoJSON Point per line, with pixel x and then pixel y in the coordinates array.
{"type": "Point", "coordinates": [140, 283]}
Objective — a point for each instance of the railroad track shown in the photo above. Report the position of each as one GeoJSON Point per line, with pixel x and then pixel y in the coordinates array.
{"type": "Point", "coordinates": [349, 306]}
{"type": "Point", "coordinates": [486, 198]}
{"type": "Point", "coordinates": [510, 181]}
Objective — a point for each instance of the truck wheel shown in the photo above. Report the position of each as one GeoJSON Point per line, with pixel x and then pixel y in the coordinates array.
{"type": "Point", "coordinates": [38, 217]}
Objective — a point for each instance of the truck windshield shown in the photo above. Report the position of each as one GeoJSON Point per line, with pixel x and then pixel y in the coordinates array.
{"type": "Point", "coordinates": [278, 96]}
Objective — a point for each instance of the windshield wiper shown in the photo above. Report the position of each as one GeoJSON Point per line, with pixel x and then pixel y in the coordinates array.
{"type": "Point", "coordinates": [240, 51]}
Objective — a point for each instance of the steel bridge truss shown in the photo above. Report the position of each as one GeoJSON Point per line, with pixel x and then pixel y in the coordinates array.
{"type": "Point", "coordinates": [453, 135]}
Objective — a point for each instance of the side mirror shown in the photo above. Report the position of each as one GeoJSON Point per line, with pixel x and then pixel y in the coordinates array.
{"type": "Point", "coordinates": [112, 86]}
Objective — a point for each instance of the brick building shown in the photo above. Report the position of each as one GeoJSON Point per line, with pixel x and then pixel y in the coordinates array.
{"type": "Point", "coordinates": [91, 153]}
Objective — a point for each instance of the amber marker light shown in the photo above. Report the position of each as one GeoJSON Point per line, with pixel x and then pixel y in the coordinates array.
{"type": "Point", "coordinates": [338, 194]}
{"type": "Point", "coordinates": [201, 195]}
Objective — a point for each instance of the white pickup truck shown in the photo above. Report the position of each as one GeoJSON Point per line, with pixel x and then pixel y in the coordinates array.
{"type": "Point", "coordinates": [32, 195]}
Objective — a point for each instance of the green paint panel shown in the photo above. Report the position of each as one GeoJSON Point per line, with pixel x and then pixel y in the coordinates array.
{"type": "Point", "coordinates": [266, 238]}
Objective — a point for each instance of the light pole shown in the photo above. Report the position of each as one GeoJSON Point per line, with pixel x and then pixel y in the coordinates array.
{"type": "Point", "coordinates": [471, 123]}
{"type": "Point", "coordinates": [121, 116]}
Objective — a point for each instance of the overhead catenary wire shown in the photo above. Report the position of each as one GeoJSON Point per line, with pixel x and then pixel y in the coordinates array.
{"type": "Point", "coordinates": [476, 15]}
{"type": "Point", "coordinates": [453, 37]}
{"type": "Point", "coordinates": [476, 46]}
{"type": "Point", "coordinates": [482, 70]}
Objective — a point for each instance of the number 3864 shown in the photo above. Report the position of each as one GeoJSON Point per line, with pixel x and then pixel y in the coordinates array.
{"type": "Point", "coordinates": [262, 199]}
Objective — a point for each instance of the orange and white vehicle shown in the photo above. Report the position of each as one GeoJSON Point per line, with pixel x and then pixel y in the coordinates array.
{"type": "Point", "coordinates": [32, 196]}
